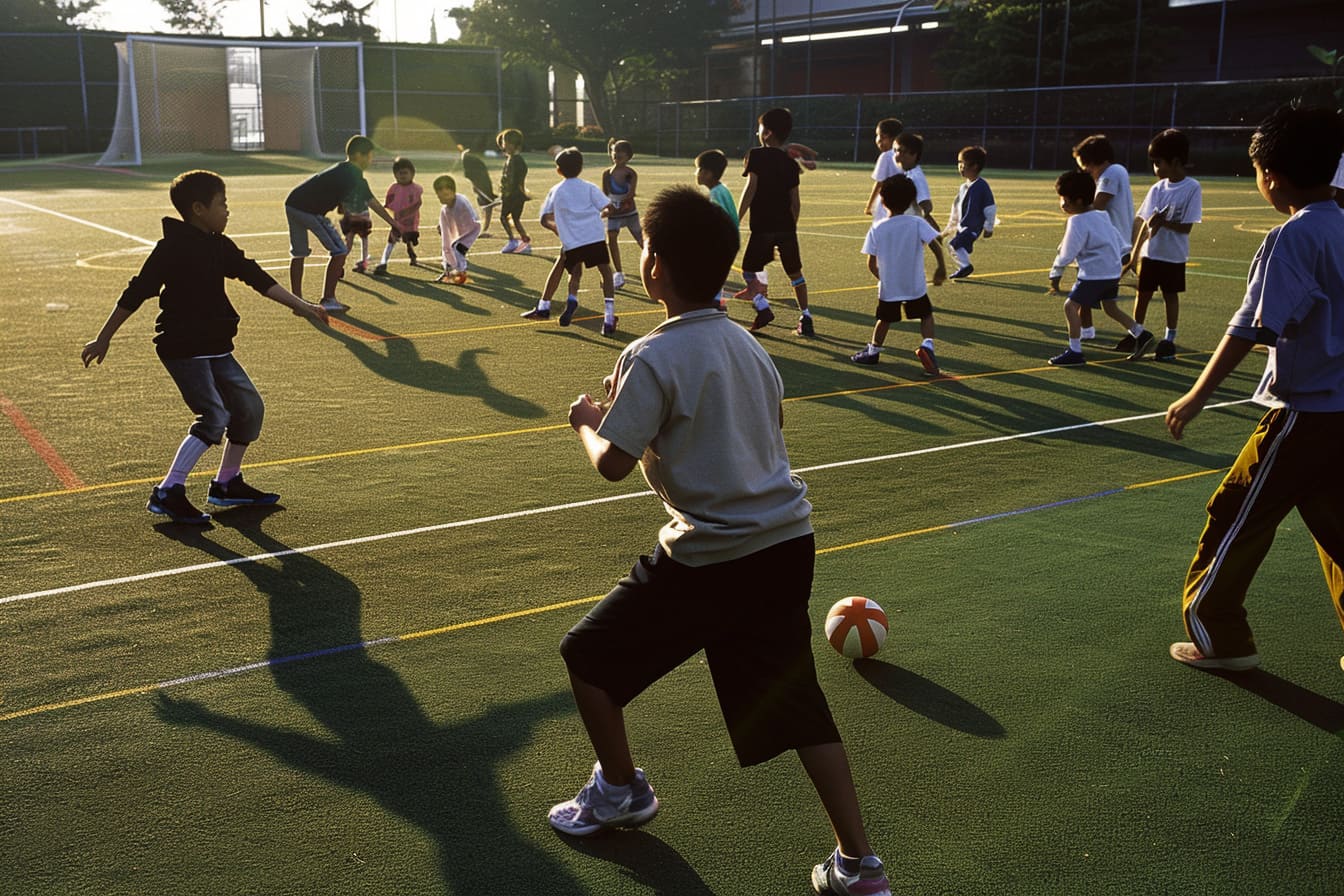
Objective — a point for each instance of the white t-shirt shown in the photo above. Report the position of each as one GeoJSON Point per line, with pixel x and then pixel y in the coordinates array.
{"type": "Point", "coordinates": [1115, 182]}
{"type": "Point", "coordinates": [1090, 239]}
{"type": "Point", "coordinates": [922, 194]}
{"type": "Point", "coordinates": [697, 400]}
{"type": "Point", "coordinates": [577, 206]}
{"type": "Point", "coordinates": [886, 167]}
{"type": "Point", "coordinates": [458, 223]}
{"type": "Point", "coordinates": [898, 244]}
{"type": "Point", "coordinates": [1183, 204]}
{"type": "Point", "coordinates": [1338, 182]}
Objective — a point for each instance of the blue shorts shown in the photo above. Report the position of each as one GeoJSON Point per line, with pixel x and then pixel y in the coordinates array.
{"type": "Point", "coordinates": [1091, 293]}
{"type": "Point", "coordinates": [965, 239]}
{"type": "Point", "coordinates": [302, 223]}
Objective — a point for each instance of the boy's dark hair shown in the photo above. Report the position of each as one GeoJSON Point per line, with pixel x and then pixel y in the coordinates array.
{"type": "Point", "coordinates": [974, 155]}
{"type": "Point", "coordinates": [694, 240]}
{"type": "Point", "coordinates": [570, 161]}
{"type": "Point", "coordinates": [912, 142]}
{"type": "Point", "coordinates": [1302, 144]}
{"type": "Point", "coordinates": [194, 186]}
{"type": "Point", "coordinates": [509, 135]}
{"type": "Point", "coordinates": [401, 163]}
{"type": "Point", "coordinates": [1170, 144]}
{"type": "Point", "coordinates": [898, 193]}
{"type": "Point", "coordinates": [1076, 185]}
{"type": "Point", "coordinates": [1094, 150]}
{"type": "Point", "coordinates": [890, 127]}
{"type": "Point", "coordinates": [779, 122]}
{"type": "Point", "coordinates": [713, 161]}
{"type": "Point", "coordinates": [622, 145]}
{"type": "Point", "coordinates": [444, 180]}
{"type": "Point", "coordinates": [358, 145]}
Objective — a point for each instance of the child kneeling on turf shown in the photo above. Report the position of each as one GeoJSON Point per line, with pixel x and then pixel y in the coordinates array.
{"type": "Point", "coordinates": [895, 250]}
{"type": "Point", "coordinates": [696, 385]}
{"type": "Point", "coordinates": [458, 228]}
{"type": "Point", "coordinates": [195, 330]}
{"type": "Point", "coordinates": [1089, 238]}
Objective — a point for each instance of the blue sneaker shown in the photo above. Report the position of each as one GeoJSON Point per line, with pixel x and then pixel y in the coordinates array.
{"type": "Point", "coordinates": [1069, 358]}
{"type": "Point", "coordinates": [962, 273]}
{"type": "Point", "coordinates": [237, 493]}
{"type": "Point", "coordinates": [869, 880]}
{"type": "Point", "coordinates": [609, 329]}
{"type": "Point", "coordinates": [928, 360]}
{"type": "Point", "coordinates": [172, 502]}
{"type": "Point", "coordinates": [601, 805]}
{"type": "Point", "coordinates": [571, 305]}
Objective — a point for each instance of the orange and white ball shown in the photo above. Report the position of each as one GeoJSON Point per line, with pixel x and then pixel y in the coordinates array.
{"type": "Point", "coordinates": [856, 627]}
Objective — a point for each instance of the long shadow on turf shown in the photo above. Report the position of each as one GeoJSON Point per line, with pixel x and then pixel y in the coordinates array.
{"type": "Point", "coordinates": [928, 698]}
{"type": "Point", "coordinates": [443, 778]}
{"type": "Point", "coordinates": [1307, 705]}
{"type": "Point", "coordinates": [650, 862]}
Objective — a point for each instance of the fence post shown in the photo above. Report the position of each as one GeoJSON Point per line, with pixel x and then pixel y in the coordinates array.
{"type": "Point", "coordinates": [858, 124]}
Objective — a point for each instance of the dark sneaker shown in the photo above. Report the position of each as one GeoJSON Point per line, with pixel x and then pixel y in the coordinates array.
{"type": "Point", "coordinates": [361, 267]}
{"type": "Point", "coordinates": [1125, 345]}
{"type": "Point", "coordinates": [1069, 358]}
{"type": "Point", "coordinates": [381, 270]}
{"type": "Point", "coordinates": [172, 502]}
{"type": "Point", "coordinates": [608, 329]}
{"type": "Point", "coordinates": [571, 305]}
{"type": "Point", "coordinates": [869, 880]}
{"type": "Point", "coordinates": [865, 357]}
{"type": "Point", "coordinates": [537, 314]}
{"type": "Point", "coordinates": [763, 317]}
{"type": "Point", "coordinates": [962, 273]}
{"type": "Point", "coordinates": [805, 327]}
{"type": "Point", "coordinates": [237, 493]}
{"type": "Point", "coordinates": [415, 259]}
{"type": "Point", "coordinates": [1142, 343]}
{"type": "Point", "coordinates": [1166, 351]}
{"type": "Point", "coordinates": [597, 806]}
{"type": "Point", "coordinates": [929, 360]}
{"type": "Point", "coordinates": [334, 305]}
{"type": "Point", "coordinates": [1186, 652]}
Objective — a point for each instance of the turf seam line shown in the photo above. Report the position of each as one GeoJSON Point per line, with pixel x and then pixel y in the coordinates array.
{"type": "Point", "coordinates": [41, 447]}
{"type": "Point", "coordinates": [47, 211]}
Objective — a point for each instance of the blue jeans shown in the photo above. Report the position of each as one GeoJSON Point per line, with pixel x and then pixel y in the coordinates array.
{"type": "Point", "coordinates": [222, 397]}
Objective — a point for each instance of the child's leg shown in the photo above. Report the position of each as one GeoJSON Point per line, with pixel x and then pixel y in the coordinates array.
{"type": "Point", "coordinates": [926, 329]}
{"type": "Point", "coordinates": [880, 333]}
{"type": "Point", "coordinates": [485, 222]}
{"type": "Point", "coordinates": [364, 247]}
{"type": "Point", "coordinates": [296, 276]}
{"type": "Point", "coordinates": [1172, 301]}
{"type": "Point", "coordinates": [387, 250]}
{"type": "Point", "coordinates": [522, 231]}
{"type": "Point", "coordinates": [504, 219]}
{"type": "Point", "coordinates": [608, 296]}
{"type": "Point", "coordinates": [828, 767]}
{"type": "Point", "coordinates": [614, 249]}
{"type": "Point", "coordinates": [799, 284]}
{"type": "Point", "coordinates": [1073, 315]}
{"type": "Point", "coordinates": [1141, 301]}
{"type": "Point", "coordinates": [1113, 311]}
{"type": "Point", "coordinates": [335, 270]}
{"type": "Point", "coordinates": [184, 461]}
{"type": "Point", "coordinates": [232, 461]}
{"type": "Point", "coordinates": [1086, 323]}
{"type": "Point", "coordinates": [605, 723]}
{"type": "Point", "coordinates": [575, 278]}
{"type": "Point", "coordinates": [553, 281]}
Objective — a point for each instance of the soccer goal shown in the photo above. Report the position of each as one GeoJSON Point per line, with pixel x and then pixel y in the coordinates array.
{"type": "Point", "coordinates": [181, 95]}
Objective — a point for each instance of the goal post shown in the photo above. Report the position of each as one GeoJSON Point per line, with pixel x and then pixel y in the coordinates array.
{"type": "Point", "coordinates": [178, 96]}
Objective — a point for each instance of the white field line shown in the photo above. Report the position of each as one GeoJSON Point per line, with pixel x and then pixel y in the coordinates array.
{"type": "Point", "coordinates": [46, 211]}
{"type": "Point", "coordinates": [556, 508]}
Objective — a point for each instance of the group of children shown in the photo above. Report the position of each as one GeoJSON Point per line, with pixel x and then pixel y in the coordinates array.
{"type": "Point", "coordinates": [697, 404]}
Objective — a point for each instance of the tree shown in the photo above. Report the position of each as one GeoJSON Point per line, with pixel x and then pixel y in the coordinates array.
{"type": "Point", "coordinates": [194, 16]}
{"type": "Point", "coordinates": [610, 46]}
{"type": "Point", "coordinates": [44, 15]}
{"type": "Point", "coordinates": [350, 24]}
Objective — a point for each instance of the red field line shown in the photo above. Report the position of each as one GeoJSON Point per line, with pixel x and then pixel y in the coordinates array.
{"type": "Point", "coordinates": [40, 445]}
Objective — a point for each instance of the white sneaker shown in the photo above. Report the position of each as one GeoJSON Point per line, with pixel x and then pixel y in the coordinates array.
{"type": "Point", "coordinates": [331, 304]}
{"type": "Point", "coordinates": [597, 807]}
{"type": "Point", "coordinates": [510, 247]}
{"type": "Point", "coordinates": [618, 280]}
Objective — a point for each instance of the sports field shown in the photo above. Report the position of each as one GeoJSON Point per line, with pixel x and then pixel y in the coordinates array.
{"type": "Point", "coordinates": [359, 691]}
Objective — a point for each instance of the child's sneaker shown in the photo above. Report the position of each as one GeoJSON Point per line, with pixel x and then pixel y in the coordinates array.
{"type": "Point", "coordinates": [510, 247]}
{"type": "Point", "coordinates": [1142, 343]}
{"type": "Point", "coordinates": [804, 327]}
{"type": "Point", "coordinates": [608, 329]}
{"type": "Point", "coordinates": [1186, 652]}
{"type": "Point", "coordinates": [571, 305]}
{"type": "Point", "coordinates": [1166, 351]}
{"type": "Point", "coordinates": [460, 278]}
{"type": "Point", "coordinates": [1068, 358]}
{"type": "Point", "coordinates": [524, 248]}
{"type": "Point", "coordinates": [410, 253]}
{"type": "Point", "coordinates": [172, 502]}
{"type": "Point", "coordinates": [763, 317]}
{"type": "Point", "coordinates": [870, 879]}
{"type": "Point", "coordinates": [617, 280]}
{"type": "Point", "coordinates": [331, 303]}
{"type": "Point", "coordinates": [600, 805]}
{"type": "Point", "coordinates": [865, 357]}
{"type": "Point", "coordinates": [929, 360]}
{"type": "Point", "coordinates": [537, 314]}
{"type": "Point", "coordinates": [361, 267]}
{"type": "Point", "coordinates": [962, 273]}
{"type": "Point", "coordinates": [1125, 345]}
{"type": "Point", "coordinates": [237, 493]}
{"type": "Point", "coordinates": [381, 270]}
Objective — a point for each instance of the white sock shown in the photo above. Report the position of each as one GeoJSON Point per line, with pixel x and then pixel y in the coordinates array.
{"type": "Point", "coordinates": [760, 303]}
{"type": "Point", "coordinates": [1075, 345]}
{"type": "Point", "coordinates": [544, 305]}
{"type": "Point", "coordinates": [1136, 330]}
{"type": "Point", "coordinates": [609, 310]}
{"type": "Point", "coordinates": [765, 281]}
{"type": "Point", "coordinates": [928, 344]}
{"type": "Point", "coordinates": [807, 313]}
{"type": "Point", "coordinates": [963, 257]}
{"type": "Point", "coordinates": [387, 253]}
{"type": "Point", "coordinates": [573, 298]}
{"type": "Point", "coordinates": [188, 453]}
{"type": "Point", "coordinates": [1088, 333]}
{"type": "Point", "coordinates": [1171, 335]}
{"type": "Point", "coordinates": [874, 349]}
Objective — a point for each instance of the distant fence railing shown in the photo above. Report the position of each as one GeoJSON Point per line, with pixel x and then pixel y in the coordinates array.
{"type": "Point", "coordinates": [1032, 128]}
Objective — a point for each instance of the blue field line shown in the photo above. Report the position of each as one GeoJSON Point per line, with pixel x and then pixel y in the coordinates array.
{"type": "Point", "coordinates": [1061, 503]}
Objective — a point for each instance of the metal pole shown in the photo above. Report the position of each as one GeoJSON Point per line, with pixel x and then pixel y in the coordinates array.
{"type": "Point", "coordinates": [262, 5]}
{"type": "Point", "coordinates": [83, 89]}
{"type": "Point", "coordinates": [1222, 24]}
{"type": "Point", "coordinates": [499, 89]}
{"type": "Point", "coordinates": [1036, 94]}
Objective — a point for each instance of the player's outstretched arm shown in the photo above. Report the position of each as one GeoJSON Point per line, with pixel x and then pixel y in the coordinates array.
{"type": "Point", "coordinates": [315, 313]}
{"type": "Point", "coordinates": [585, 415]}
{"type": "Point", "coordinates": [97, 349]}
{"type": "Point", "coordinates": [1226, 357]}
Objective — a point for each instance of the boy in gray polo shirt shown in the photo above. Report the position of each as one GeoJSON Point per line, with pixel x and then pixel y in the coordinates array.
{"type": "Point", "coordinates": [697, 404]}
{"type": "Point", "coordinates": [1295, 305]}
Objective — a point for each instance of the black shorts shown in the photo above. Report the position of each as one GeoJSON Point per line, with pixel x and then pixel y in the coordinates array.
{"type": "Point", "coordinates": [761, 251]}
{"type": "Point", "coordinates": [485, 191]}
{"type": "Point", "coordinates": [749, 616]}
{"type": "Point", "coordinates": [409, 237]}
{"type": "Point", "coordinates": [512, 205]}
{"type": "Point", "coordinates": [1168, 276]}
{"type": "Point", "coordinates": [357, 226]}
{"type": "Point", "coordinates": [590, 256]}
{"type": "Point", "coordinates": [913, 309]}
{"type": "Point", "coordinates": [1091, 293]}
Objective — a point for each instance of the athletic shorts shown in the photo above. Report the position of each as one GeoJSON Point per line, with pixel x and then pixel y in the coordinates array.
{"type": "Point", "coordinates": [629, 222]}
{"type": "Point", "coordinates": [965, 239]}
{"type": "Point", "coordinates": [749, 616]}
{"type": "Point", "coordinates": [512, 205]}
{"type": "Point", "coordinates": [1167, 276]}
{"type": "Point", "coordinates": [761, 251]}
{"type": "Point", "coordinates": [1091, 293]}
{"type": "Point", "coordinates": [357, 226]}
{"type": "Point", "coordinates": [409, 237]}
{"type": "Point", "coordinates": [590, 256]}
{"type": "Point", "coordinates": [913, 309]}
{"type": "Point", "coordinates": [302, 223]}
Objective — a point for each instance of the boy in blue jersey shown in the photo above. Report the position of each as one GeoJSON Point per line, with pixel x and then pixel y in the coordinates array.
{"type": "Point", "coordinates": [1295, 305]}
{"type": "Point", "coordinates": [973, 214]}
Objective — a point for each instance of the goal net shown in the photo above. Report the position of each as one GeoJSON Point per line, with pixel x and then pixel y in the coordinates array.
{"type": "Point", "coordinates": [180, 96]}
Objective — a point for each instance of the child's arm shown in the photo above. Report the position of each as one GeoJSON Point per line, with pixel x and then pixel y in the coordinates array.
{"type": "Point", "coordinates": [794, 205]}
{"type": "Point", "coordinates": [1226, 357]}
{"type": "Point", "coordinates": [377, 206]}
{"type": "Point", "coordinates": [585, 415]}
{"type": "Point", "coordinates": [940, 272]}
{"type": "Point", "coordinates": [1141, 235]}
{"type": "Point", "coordinates": [872, 267]}
{"type": "Point", "coordinates": [97, 349]}
{"type": "Point", "coordinates": [748, 193]}
{"type": "Point", "coordinates": [315, 313]}
{"type": "Point", "coordinates": [634, 184]}
{"type": "Point", "coordinates": [548, 221]}
{"type": "Point", "coordinates": [872, 197]}
{"type": "Point", "coordinates": [927, 208]}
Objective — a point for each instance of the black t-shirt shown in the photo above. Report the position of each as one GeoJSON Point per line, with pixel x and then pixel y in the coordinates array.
{"type": "Point", "coordinates": [776, 176]}
{"type": "Point", "coordinates": [342, 183]}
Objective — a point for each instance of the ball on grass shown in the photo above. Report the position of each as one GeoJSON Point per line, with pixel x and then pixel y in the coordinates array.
{"type": "Point", "coordinates": [856, 627]}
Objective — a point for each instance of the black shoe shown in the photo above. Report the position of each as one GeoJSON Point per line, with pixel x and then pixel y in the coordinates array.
{"type": "Point", "coordinates": [1166, 351]}
{"type": "Point", "coordinates": [237, 493]}
{"type": "Point", "coordinates": [763, 317]}
{"type": "Point", "coordinates": [1142, 343]}
{"type": "Point", "coordinates": [1125, 345]}
{"type": "Point", "coordinates": [537, 314]}
{"type": "Point", "coordinates": [172, 502]}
